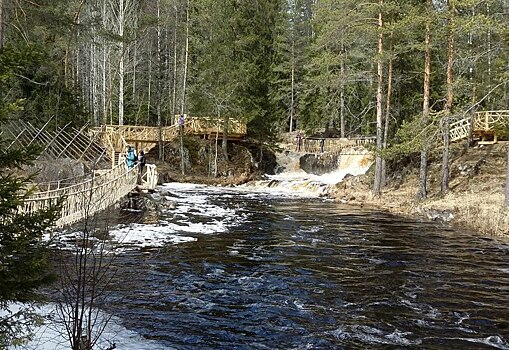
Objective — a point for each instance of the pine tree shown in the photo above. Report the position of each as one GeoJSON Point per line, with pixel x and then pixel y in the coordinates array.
{"type": "Point", "coordinates": [24, 265]}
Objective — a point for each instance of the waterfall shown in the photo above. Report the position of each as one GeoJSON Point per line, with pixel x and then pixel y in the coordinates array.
{"type": "Point", "coordinates": [316, 174]}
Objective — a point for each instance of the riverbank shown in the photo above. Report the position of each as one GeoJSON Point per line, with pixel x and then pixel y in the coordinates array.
{"type": "Point", "coordinates": [475, 199]}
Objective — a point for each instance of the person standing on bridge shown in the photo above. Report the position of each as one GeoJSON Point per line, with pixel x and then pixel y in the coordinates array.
{"type": "Point", "coordinates": [141, 161]}
{"type": "Point", "coordinates": [181, 121]}
{"type": "Point", "coordinates": [298, 141]}
{"type": "Point", "coordinates": [141, 166]}
{"type": "Point", "coordinates": [130, 157]}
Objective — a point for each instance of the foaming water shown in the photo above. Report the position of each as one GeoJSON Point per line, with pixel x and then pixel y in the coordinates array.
{"type": "Point", "coordinates": [277, 270]}
{"type": "Point", "coordinates": [294, 179]}
{"type": "Point", "coordinates": [297, 272]}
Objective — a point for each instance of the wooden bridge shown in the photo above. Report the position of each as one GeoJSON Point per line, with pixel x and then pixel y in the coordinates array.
{"type": "Point", "coordinates": [83, 200]}
{"type": "Point", "coordinates": [484, 128]}
{"type": "Point", "coordinates": [115, 138]}
{"type": "Point", "coordinates": [317, 145]}
{"type": "Point", "coordinates": [89, 195]}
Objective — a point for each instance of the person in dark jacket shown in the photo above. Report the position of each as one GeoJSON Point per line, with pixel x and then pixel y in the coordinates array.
{"type": "Point", "coordinates": [141, 161]}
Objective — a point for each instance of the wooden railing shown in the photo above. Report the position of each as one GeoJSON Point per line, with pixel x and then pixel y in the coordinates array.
{"type": "Point", "coordinates": [115, 138]}
{"type": "Point", "coordinates": [484, 121]}
{"type": "Point", "coordinates": [150, 177]}
{"type": "Point", "coordinates": [322, 145]}
{"type": "Point", "coordinates": [212, 125]}
{"type": "Point", "coordinates": [91, 196]}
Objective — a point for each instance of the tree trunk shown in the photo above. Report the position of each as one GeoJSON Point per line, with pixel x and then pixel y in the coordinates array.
{"type": "Point", "coordinates": [174, 92]}
{"type": "Point", "coordinates": [183, 100]}
{"type": "Point", "coordinates": [2, 23]}
{"type": "Point", "coordinates": [121, 19]}
{"type": "Point", "coordinates": [95, 92]}
{"type": "Point", "coordinates": [342, 130]}
{"type": "Point", "coordinates": [444, 187]}
{"type": "Point", "coordinates": [224, 145]}
{"type": "Point", "coordinates": [387, 110]}
{"type": "Point", "coordinates": [159, 77]}
{"type": "Point", "coordinates": [377, 186]}
{"type": "Point", "coordinates": [186, 56]}
{"type": "Point", "coordinates": [292, 102]}
{"type": "Point", "coordinates": [450, 56]}
{"type": "Point", "coordinates": [217, 140]}
{"type": "Point", "coordinates": [149, 88]}
{"type": "Point", "coordinates": [105, 97]}
{"type": "Point", "coordinates": [506, 201]}
{"type": "Point", "coordinates": [423, 172]}
{"type": "Point", "coordinates": [470, 141]}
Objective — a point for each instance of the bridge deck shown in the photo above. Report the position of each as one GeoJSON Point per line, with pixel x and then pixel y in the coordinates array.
{"type": "Point", "coordinates": [115, 138]}
{"type": "Point", "coordinates": [93, 195]}
{"type": "Point", "coordinates": [485, 125]}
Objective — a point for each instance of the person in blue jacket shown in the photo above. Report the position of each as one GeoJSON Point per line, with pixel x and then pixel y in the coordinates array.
{"type": "Point", "coordinates": [130, 157]}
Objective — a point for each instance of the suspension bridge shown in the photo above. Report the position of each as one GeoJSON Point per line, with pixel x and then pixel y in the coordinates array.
{"type": "Point", "coordinates": [88, 194]}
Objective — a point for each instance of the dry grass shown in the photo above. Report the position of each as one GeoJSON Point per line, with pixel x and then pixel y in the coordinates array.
{"type": "Point", "coordinates": [476, 200]}
{"type": "Point", "coordinates": [483, 212]}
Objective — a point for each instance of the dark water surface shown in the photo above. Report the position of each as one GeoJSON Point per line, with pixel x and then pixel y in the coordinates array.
{"type": "Point", "coordinates": [297, 273]}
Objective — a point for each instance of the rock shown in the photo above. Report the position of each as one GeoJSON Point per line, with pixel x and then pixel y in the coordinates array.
{"type": "Point", "coordinates": [439, 215]}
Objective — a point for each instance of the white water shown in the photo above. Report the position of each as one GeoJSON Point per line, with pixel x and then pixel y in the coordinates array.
{"type": "Point", "coordinates": [294, 179]}
{"type": "Point", "coordinates": [193, 213]}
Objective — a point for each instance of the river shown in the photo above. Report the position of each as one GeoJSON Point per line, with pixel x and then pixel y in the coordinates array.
{"type": "Point", "coordinates": [248, 269]}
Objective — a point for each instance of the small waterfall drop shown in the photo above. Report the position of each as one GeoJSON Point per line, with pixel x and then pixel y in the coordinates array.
{"type": "Point", "coordinates": [316, 174]}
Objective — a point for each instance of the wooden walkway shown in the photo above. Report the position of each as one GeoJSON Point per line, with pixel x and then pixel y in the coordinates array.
{"type": "Point", "coordinates": [87, 196]}
{"type": "Point", "coordinates": [316, 145]}
{"type": "Point", "coordinates": [115, 138]}
{"type": "Point", "coordinates": [84, 199]}
{"type": "Point", "coordinates": [484, 128]}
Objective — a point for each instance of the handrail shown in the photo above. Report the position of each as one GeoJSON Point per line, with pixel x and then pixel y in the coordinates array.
{"type": "Point", "coordinates": [483, 121]}
{"type": "Point", "coordinates": [116, 137]}
{"type": "Point", "coordinates": [91, 196]}
{"type": "Point", "coordinates": [325, 145]}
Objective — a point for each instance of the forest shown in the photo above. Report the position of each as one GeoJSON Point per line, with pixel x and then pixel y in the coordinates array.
{"type": "Point", "coordinates": [400, 70]}
{"type": "Point", "coordinates": [278, 65]}
{"type": "Point", "coordinates": [390, 68]}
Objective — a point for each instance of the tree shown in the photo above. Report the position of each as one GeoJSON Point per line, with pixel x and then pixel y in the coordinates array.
{"type": "Point", "coordinates": [232, 46]}
{"type": "Point", "coordinates": [377, 187]}
{"type": "Point", "coordinates": [444, 187]}
{"type": "Point", "coordinates": [84, 285]}
{"type": "Point", "coordinates": [24, 265]}
{"type": "Point", "coordinates": [423, 172]}
{"type": "Point", "coordinates": [293, 33]}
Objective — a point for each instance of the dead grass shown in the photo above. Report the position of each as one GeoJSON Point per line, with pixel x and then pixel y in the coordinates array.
{"type": "Point", "coordinates": [476, 200]}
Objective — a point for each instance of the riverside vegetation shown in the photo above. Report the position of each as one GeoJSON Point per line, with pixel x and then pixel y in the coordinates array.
{"type": "Point", "coordinates": [475, 199]}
